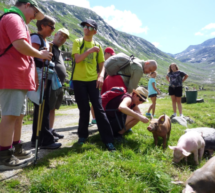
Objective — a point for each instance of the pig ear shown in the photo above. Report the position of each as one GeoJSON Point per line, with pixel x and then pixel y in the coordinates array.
{"type": "Point", "coordinates": [172, 147]}
{"type": "Point", "coordinates": [161, 119]}
{"type": "Point", "coordinates": [185, 153]}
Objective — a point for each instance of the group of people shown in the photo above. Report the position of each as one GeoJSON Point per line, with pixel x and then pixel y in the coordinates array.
{"type": "Point", "coordinates": [22, 61]}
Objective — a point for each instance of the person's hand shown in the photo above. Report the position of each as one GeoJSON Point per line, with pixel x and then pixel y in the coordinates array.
{"type": "Point", "coordinates": [100, 81]}
{"type": "Point", "coordinates": [45, 55]}
{"type": "Point", "coordinates": [159, 92]}
{"type": "Point", "coordinates": [144, 119]}
{"type": "Point", "coordinates": [94, 49]}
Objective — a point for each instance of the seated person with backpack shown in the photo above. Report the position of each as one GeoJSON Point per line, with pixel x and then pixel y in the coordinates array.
{"type": "Point", "coordinates": [126, 106]}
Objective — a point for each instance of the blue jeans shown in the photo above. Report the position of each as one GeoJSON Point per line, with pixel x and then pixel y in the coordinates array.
{"type": "Point", "coordinates": [85, 92]}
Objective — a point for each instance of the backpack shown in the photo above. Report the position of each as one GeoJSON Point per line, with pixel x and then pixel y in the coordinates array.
{"type": "Point", "coordinates": [111, 94]}
{"type": "Point", "coordinates": [73, 63]}
{"type": "Point", "coordinates": [10, 46]}
{"type": "Point", "coordinates": [117, 62]}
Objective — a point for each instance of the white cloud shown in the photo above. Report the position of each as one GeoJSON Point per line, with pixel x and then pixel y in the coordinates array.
{"type": "Point", "coordinates": [80, 3]}
{"type": "Point", "coordinates": [213, 33]}
{"type": "Point", "coordinates": [199, 34]}
{"type": "Point", "coordinates": [156, 44]}
{"type": "Point", "coordinates": [209, 26]}
{"type": "Point", "coordinates": [122, 20]}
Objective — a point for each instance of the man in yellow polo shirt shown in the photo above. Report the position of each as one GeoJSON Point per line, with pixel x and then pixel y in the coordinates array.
{"type": "Point", "coordinates": [87, 79]}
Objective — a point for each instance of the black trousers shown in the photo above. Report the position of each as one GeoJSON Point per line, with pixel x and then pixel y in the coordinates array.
{"type": "Point", "coordinates": [46, 137]}
{"type": "Point", "coordinates": [85, 91]}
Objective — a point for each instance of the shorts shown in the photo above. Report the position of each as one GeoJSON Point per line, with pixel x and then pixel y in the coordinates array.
{"type": "Point", "coordinates": [152, 95]}
{"type": "Point", "coordinates": [56, 98]}
{"type": "Point", "coordinates": [13, 102]}
{"type": "Point", "coordinates": [177, 91]}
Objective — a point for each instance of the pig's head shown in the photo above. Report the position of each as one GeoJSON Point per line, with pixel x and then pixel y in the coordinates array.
{"type": "Point", "coordinates": [179, 153]}
{"type": "Point", "coordinates": [155, 123]}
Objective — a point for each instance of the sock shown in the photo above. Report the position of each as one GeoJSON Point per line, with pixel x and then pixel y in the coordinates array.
{"type": "Point", "coordinates": [51, 129]}
{"type": "Point", "coordinates": [5, 148]}
{"type": "Point", "coordinates": [181, 115]}
{"type": "Point", "coordinates": [16, 142]}
{"type": "Point", "coordinates": [175, 114]}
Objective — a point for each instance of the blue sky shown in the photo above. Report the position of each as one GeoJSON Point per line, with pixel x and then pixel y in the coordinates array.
{"type": "Point", "coordinates": [171, 25]}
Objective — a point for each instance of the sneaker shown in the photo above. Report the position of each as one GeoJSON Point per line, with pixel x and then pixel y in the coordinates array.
{"type": "Point", "coordinates": [51, 146]}
{"type": "Point", "coordinates": [148, 114]}
{"type": "Point", "coordinates": [57, 134]}
{"type": "Point", "coordinates": [93, 121]}
{"type": "Point", "coordinates": [90, 124]}
{"type": "Point", "coordinates": [172, 116]}
{"type": "Point", "coordinates": [56, 138]}
{"type": "Point", "coordinates": [9, 162]}
{"type": "Point", "coordinates": [110, 147]}
{"type": "Point", "coordinates": [119, 139]}
{"type": "Point", "coordinates": [33, 143]}
{"type": "Point", "coordinates": [82, 140]}
{"type": "Point", "coordinates": [20, 153]}
{"type": "Point", "coordinates": [129, 131]}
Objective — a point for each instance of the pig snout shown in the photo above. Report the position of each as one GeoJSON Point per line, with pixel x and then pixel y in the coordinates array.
{"type": "Point", "coordinates": [149, 128]}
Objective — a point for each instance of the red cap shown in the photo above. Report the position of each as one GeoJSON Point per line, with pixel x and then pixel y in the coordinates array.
{"type": "Point", "coordinates": [110, 51]}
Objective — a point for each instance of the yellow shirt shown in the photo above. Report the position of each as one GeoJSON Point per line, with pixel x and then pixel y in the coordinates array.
{"type": "Point", "coordinates": [86, 70]}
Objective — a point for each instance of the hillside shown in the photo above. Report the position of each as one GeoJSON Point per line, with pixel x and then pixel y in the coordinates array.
{"type": "Point", "coordinates": [70, 16]}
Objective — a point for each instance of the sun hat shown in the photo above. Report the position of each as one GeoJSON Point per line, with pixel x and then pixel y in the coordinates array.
{"type": "Point", "coordinates": [65, 31]}
{"type": "Point", "coordinates": [90, 22]}
{"type": "Point", "coordinates": [40, 14]}
{"type": "Point", "coordinates": [110, 51]}
{"type": "Point", "coordinates": [141, 92]}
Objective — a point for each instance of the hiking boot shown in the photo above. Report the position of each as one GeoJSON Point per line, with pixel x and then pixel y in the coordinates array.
{"type": "Point", "coordinates": [9, 162]}
{"type": "Point", "coordinates": [51, 146]}
{"type": "Point", "coordinates": [93, 121]}
{"type": "Point", "coordinates": [20, 153]}
{"type": "Point", "coordinates": [110, 147]}
{"type": "Point", "coordinates": [57, 134]}
{"type": "Point", "coordinates": [82, 140]}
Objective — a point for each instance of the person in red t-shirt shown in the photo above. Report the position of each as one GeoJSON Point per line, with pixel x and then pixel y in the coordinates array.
{"type": "Point", "coordinates": [17, 76]}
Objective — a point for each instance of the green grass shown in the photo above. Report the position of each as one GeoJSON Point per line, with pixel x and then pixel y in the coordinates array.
{"type": "Point", "coordinates": [137, 165]}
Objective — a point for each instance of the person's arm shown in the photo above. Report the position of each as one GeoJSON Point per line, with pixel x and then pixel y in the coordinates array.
{"type": "Point", "coordinates": [81, 57]}
{"type": "Point", "coordinates": [124, 108]}
{"type": "Point", "coordinates": [101, 74]}
{"type": "Point", "coordinates": [26, 49]}
{"type": "Point", "coordinates": [185, 77]}
{"type": "Point", "coordinates": [153, 85]}
{"type": "Point", "coordinates": [167, 78]}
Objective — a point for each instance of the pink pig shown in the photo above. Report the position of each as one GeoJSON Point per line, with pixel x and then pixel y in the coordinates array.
{"type": "Point", "coordinates": [190, 142]}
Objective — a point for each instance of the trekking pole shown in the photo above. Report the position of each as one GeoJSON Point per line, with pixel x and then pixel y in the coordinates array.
{"type": "Point", "coordinates": [41, 107]}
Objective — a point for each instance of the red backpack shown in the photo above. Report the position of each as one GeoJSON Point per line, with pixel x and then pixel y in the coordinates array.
{"type": "Point", "coordinates": [111, 94]}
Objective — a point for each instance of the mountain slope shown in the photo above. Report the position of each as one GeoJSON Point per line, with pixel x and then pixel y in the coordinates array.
{"type": "Point", "coordinates": [201, 54]}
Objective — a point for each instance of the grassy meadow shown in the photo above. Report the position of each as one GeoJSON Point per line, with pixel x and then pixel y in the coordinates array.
{"type": "Point", "coordinates": [136, 166]}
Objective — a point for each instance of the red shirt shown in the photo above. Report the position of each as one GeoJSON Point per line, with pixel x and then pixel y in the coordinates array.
{"type": "Point", "coordinates": [17, 71]}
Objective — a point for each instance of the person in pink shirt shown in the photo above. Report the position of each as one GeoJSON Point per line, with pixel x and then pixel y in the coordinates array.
{"type": "Point", "coordinates": [17, 76]}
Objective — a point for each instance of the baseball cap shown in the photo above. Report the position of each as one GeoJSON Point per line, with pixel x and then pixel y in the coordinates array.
{"type": "Point", "coordinates": [40, 14]}
{"type": "Point", "coordinates": [110, 51]}
{"type": "Point", "coordinates": [65, 31]}
{"type": "Point", "coordinates": [90, 22]}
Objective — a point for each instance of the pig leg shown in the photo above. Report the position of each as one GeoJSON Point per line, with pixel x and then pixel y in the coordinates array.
{"type": "Point", "coordinates": [155, 139]}
{"type": "Point", "coordinates": [195, 152]}
{"type": "Point", "coordinates": [201, 152]}
{"type": "Point", "coordinates": [164, 142]}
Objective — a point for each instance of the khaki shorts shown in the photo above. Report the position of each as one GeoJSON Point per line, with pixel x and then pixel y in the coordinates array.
{"type": "Point", "coordinates": [56, 98]}
{"type": "Point", "coordinates": [13, 102]}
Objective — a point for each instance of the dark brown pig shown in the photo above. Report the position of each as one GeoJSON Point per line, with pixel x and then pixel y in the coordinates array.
{"type": "Point", "coordinates": [160, 127]}
{"type": "Point", "coordinates": [203, 179]}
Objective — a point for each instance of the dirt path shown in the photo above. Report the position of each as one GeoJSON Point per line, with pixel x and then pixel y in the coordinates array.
{"type": "Point", "coordinates": [66, 123]}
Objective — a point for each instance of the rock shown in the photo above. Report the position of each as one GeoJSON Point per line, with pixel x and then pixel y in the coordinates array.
{"type": "Point", "coordinates": [189, 120]}
{"type": "Point", "coordinates": [179, 120]}
{"type": "Point", "coordinates": [204, 130]}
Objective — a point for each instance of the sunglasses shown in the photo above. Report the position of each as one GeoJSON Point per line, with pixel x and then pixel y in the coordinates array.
{"type": "Point", "coordinates": [52, 27]}
{"type": "Point", "coordinates": [140, 99]}
{"type": "Point", "coordinates": [89, 28]}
